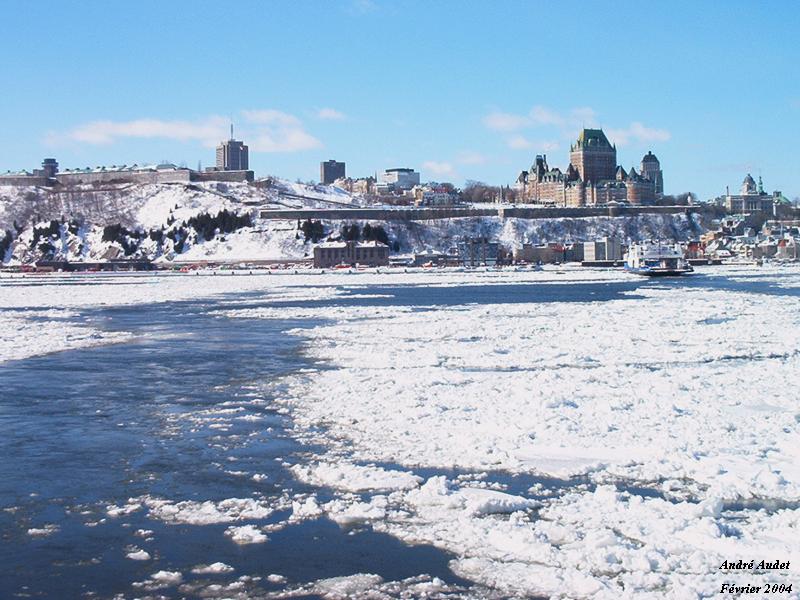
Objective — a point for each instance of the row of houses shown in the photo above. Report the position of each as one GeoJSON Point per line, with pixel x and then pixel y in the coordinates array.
{"type": "Point", "coordinates": [736, 238]}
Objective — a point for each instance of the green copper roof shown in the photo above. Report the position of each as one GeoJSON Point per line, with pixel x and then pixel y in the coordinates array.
{"type": "Point", "coordinates": [593, 137]}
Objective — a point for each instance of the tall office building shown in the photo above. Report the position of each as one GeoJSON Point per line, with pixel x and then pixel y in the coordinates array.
{"type": "Point", "coordinates": [232, 155]}
{"type": "Point", "coordinates": [330, 171]}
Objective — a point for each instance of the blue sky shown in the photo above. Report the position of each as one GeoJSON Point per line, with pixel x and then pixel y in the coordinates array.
{"type": "Point", "coordinates": [459, 90]}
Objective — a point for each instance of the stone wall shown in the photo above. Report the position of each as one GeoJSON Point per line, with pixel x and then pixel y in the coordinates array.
{"type": "Point", "coordinates": [110, 177]}
{"type": "Point", "coordinates": [227, 176]}
{"type": "Point", "coordinates": [429, 214]}
{"type": "Point", "coordinates": [23, 180]}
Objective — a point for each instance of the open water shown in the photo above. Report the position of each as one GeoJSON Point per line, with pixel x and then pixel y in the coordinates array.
{"type": "Point", "coordinates": [85, 430]}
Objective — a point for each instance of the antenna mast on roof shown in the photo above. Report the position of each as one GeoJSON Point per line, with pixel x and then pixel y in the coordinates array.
{"type": "Point", "coordinates": [231, 130]}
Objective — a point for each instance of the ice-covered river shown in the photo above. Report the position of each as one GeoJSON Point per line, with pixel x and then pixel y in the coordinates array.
{"type": "Point", "coordinates": [560, 433]}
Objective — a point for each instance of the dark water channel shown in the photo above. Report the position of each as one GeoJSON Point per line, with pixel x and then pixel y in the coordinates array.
{"type": "Point", "coordinates": [83, 430]}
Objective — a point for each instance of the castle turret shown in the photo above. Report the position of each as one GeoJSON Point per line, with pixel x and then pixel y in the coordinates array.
{"type": "Point", "coordinates": [651, 169]}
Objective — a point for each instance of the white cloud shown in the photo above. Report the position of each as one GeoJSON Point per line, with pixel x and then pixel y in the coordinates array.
{"type": "Point", "coordinates": [472, 158]}
{"type": "Point", "coordinates": [207, 131]}
{"type": "Point", "coordinates": [541, 116]}
{"type": "Point", "coordinates": [547, 146]}
{"type": "Point", "coordinates": [584, 116]}
{"type": "Point", "coordinates": [500, 121]}
{"type": "Point", "coordinates": [518, 142]}
{"type": "Point", "coordinates": [439, 168]}
{"type": "Point", "coordinates": [330, 114]}
{"type": "Point", "coordinates": [277, 131]}
{"type": "Point", "coordinates": [284, 140]}
{"type": "Point", "coordinates": [271, 117]}
{"type": "Point", "coordinates": [636, 132]}
{"type": "Point", "coordinates": [266, 130]}
{"type": "Point", "coordinates": [568, 123]}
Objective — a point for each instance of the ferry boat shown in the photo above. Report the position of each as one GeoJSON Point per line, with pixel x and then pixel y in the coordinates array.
{"type": "Point", "coordinates": [656, 258]}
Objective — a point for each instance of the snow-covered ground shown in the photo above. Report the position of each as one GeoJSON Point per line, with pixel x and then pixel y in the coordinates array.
{"type": "Point", "coordinates": [612, 448]}
{"type": "Point", "coordinates": [156, 218]}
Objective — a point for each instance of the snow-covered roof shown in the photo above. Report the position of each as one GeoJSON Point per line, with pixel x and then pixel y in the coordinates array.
{"type": "Point", "coordinates": [371, 244]}
{"type": "Point", "coordinates": [122, 168]}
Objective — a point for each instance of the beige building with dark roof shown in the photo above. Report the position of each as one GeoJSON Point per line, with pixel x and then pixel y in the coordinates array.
{"type": "Point", "coordinates": [592, 176]}
{"type": "Point", "coordinates": [332, 254]}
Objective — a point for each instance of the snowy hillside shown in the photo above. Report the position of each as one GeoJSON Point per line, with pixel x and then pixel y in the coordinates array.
{"type": "Point", "coordinates": [219, 221]}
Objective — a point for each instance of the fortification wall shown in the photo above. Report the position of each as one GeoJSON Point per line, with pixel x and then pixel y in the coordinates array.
{"type": "Point", "coordinates": [23, 180]}
{"type": "Point", "coordinates": [228, 176]}
{"type": "Point", "coordinates": [379, 214]}
{"type": "Point", "coordinates": [142, 177]}
{"type": "Point", "coordinates": [429, 214]}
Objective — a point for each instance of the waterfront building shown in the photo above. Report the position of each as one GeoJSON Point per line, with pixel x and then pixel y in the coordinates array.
{"type": "Point", "coordinates": [592, 177]}
{"type": "Point", "coordinates": [607, 248]}
{"type": "Point", "coordinates": [331, 254]}
{"type": "Point", "coordinates": [477, 251]}
{"type": "Point", "coordinates": [549, 253]}
{"type": "Point", "coordinates": [330, 171]}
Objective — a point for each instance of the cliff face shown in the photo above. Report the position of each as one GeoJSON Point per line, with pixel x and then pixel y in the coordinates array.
{"type": "Point", "coordinates": [218, 221]}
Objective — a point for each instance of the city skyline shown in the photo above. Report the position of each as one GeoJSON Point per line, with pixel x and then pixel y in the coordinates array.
{"type": "Point", "coordinates": [449, 90]}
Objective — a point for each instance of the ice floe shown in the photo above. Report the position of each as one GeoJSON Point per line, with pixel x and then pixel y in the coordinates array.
{"type": "Point", "coordinates": [212, 569]}
{"type": "Point", "coordinates": [246, 534]}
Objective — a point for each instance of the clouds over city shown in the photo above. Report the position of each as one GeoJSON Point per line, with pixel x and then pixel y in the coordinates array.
{"type": "Point", "coordinates": [539, 116]}
{"type": "Point", "coordinates": [636, 132]}
{"type": "Point", "coordinates": [516, 128]}
{"type": "Point", "coordinates": [448, 170]}
{"type": "Point", "coordinates": [439, 168]}
{"type": "Point", "coordinates": [265, 130]}
{"type": "Point", "coordinates": [107, 132]}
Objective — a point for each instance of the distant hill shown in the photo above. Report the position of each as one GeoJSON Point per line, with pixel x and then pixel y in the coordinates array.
{"type": "Point", "coordinates": [219, 221]}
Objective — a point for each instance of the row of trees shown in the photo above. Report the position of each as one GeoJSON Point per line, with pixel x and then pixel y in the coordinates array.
{"type": "Point", "coordinates": [314, 231]}
{"type": "Point", "coordinates": [207, 226]}
{"type": "Point", "coordinates": [123, 236]}
{"type": "Point", "coordinates": [370, 233]}
{"type": "Point", "coordinates": [478, 191]}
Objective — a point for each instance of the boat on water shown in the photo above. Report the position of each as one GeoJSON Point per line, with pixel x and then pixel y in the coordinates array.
{"type": "Point", "coordinates": [656, 258]}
